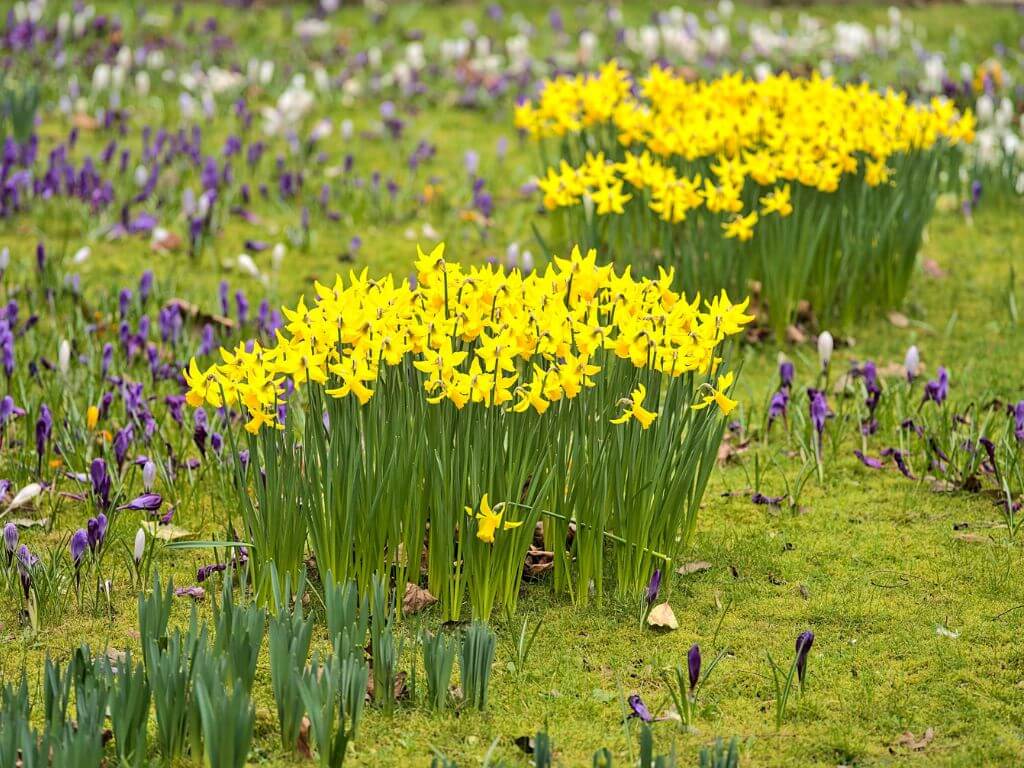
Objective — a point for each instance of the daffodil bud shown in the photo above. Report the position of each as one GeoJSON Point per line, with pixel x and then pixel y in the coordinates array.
{"type": "Point", "coordinates": [825, 346]}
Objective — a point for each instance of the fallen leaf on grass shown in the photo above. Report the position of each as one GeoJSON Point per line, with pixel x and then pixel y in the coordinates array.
{"type": "Point", "coordinates": [24, 522]}
{"type": "Point", "coordinates": [932, 269]}
{"type": "Point", "coordinates": [662, 617]}
{"type": "Point", "coordinates": [169, 532]}
{"type": "Point", "coordinates": [942, 631]}
{"type": "Point", "coordinates": [899, 320]}
{"type": "Point", "coordinates": [696, 567]}
{"type": "Point", "coordinates": [416, 598]}
{"type": "Point", "coordinates": [910, 741]}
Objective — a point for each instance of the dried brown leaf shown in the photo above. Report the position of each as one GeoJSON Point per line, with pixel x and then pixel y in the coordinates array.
{"type": "Point", "coordinates": [416, 599]}
{"type": "Point", "coordinates": [912, 742]}
{"type": "Point", "coordinates": [698, 566]}
{"type": "Point", "coordinates": [662, 617]}
{"type": "Point", "coordinates": [899, 320]}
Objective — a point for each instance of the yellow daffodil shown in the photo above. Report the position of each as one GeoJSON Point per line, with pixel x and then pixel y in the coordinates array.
{"type": "Point", "coordinates": [488, 520]}
{"type": "Point", "coordinates": [718, 396]}
{"type": "Point", "coordinates": [635, 409]}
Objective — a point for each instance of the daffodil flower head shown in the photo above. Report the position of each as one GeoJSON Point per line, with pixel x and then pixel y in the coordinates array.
{"type": "Point", "coordinates": [489, 520]}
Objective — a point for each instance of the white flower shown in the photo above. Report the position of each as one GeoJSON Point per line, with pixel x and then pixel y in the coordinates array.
{"type": "Point", "coordinates": [64, 357]}
{"type": "Point", "coordinates": [24, 496]}
{"type": "Point", "coordinates": [101, 77]}
{"type": "Point", "coordinates": [912, 362]}
{"type": "Point", "coordinates": [527, 262]}
{"type": "Point", "coordinates": [140, 545]}
{"type": "Point", "coordinates": [247, 265]}
{"type": "Point", "coordinates": [81, 255]}
{"type": "Point", "coordinates": [825, 346]}
{"type": "Point", "coordinates": [142, 83]}
{"type": "Point", "coordinates": [141, 175]}
{"type": "Point", "coordinates": [148, 475]}
{"type": "Point", "coordinates": [5, 258]}
{"type": "Point", "coordinates": [277, 256]}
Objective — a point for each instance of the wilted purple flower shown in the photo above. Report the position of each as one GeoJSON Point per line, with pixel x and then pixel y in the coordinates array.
{"type": "Point", "coordinates": [804, 641]}
{"type": "Point", "coordinates": [149, 502]}
{"type": "Point", "coordinates": [100, 482]}
{"type": "Point", "coordinates": [639, 709]}
{"type": "Point", "coordinates": [768, 501]}
{"type": "Point", "coordinates": [937, 390]}
{"type": "Point", "coordinates": [901, 461]}
{"type": "Point", "coordinates": [208, 570]}
{"type": "Point", "coordinates": [654, 586]}
{"type": "Point", "coordinates": [693, 664]}
{"type": "Point", "coordinates": [990, 450]}
{"type": "Point", "coordinates": [868, 461]}
{"type": "Point", "coordinates": [196, 593]}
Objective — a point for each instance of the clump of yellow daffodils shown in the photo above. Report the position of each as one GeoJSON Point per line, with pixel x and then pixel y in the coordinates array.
{"type": "Point", "coordinates": [774, 133]}
{"type": "Point", "coordinates": [476, 335]}
{"type": "Point", "coordinates": [816, 191]}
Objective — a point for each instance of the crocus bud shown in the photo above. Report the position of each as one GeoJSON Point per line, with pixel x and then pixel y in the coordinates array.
{"type": "Point", "coordinates": [81, 255]}
{"type": "Point", "coordinates": [693, 664]}
{"type": "Point", "coordinates": [654, 586]}
{"type": "Point", "coordinates": [277, 256]}
{"type": "Point", "coordinates": [912, 362]}
{"type": "Point", "coordinates": [140, 545]}
{"type": "Point", "coordinates": [825, 346]}
{"type": "Point", "coordinates": [10, 540]}
{"type": "Point", "coordinates": [148, 475]}
{"type": "Point", "coordinates": [804, 641]}
{"type": "Point", "coordinates": [79, 543]}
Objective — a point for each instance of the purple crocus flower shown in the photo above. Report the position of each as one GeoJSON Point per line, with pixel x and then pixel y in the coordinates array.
{"type": "Point", "coordinates": [818, 407]}
{"type": "Point", "coordinates": [44, 428]}
{"type": "Point", "coordinates": [10, 541]}
{"type": "Point", "coordinates": [208, 570]}
{"type": "Point", "coordinates": [639, 709]}
{"type": "Point", "coordinates": [804, 641]}
{"type": "Point", "coordinates": [937, 390]}
{"type": "Point", "coordinates": [777, 406]}
{"type": "Point", "coordinates": [1018, 421]}
{"type": "Point", "coordinates": [26, 561]}
{"type": "Point", "coordinates": [145, 286]}
{"type": "Point", "coordinates": [786, 372]}
{"type": "Point", "coordinates": [693, 665]}
{"type": "Point", "coordinates": [96, 528]}
{"type": "Point", "coordinates": [148, 502]}
{"type": "Point", "coordinates": [654, 586]}
{"type": "Point", "coordinates": [100, 482]}
{"type": "Point", "coordinates": [79, 543]}
{"type": "Point", "coordinates": [768, 501]}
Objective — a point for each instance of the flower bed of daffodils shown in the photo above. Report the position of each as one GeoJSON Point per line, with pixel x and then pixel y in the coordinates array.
{"type": "Point", "coordinates": [461, 410]}
{"type": "Point", "coordinates": [817, 191]}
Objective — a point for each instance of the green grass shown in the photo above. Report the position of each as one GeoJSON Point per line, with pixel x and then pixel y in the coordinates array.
{"type": "Point", "coordinates": [870, 562]}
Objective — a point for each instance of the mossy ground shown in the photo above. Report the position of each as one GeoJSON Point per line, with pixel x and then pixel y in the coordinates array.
{"type": "Point", "coordinates": [869, 563]}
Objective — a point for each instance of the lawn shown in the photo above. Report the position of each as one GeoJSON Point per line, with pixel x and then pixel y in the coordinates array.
{"type": "Point", "coordinates": [912, 587]}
